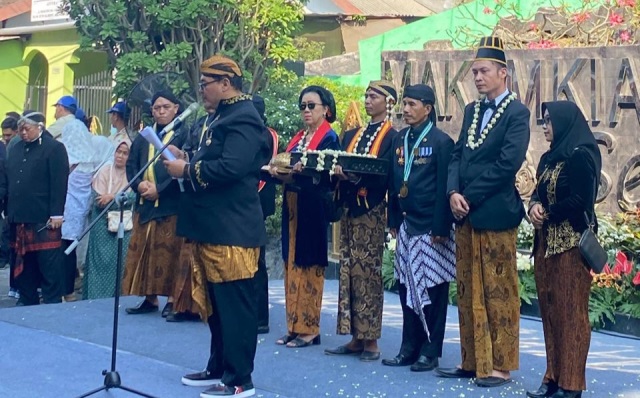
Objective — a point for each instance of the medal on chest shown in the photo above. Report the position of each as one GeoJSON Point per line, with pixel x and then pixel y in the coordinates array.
{"type": "Point", "coordinates": [207, 131]}
{"type": "Point", "coordinates": [410, 154]}
{"type": "Point", "coordinates": [404, 190]}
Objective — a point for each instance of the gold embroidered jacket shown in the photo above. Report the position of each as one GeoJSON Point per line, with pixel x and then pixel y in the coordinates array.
{"type": "Point", "coordinates": [565, 190]}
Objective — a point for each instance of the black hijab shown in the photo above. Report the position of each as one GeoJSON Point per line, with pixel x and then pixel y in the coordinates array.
{"type": "Point", "coordinates": [570, 131]}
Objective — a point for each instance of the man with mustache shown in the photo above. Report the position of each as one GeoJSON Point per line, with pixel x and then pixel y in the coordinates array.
{"type": "Point", "coordinates": [421, 219]}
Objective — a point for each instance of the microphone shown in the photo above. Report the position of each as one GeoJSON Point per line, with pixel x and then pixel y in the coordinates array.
{"type": "Point", "coordinates": [178, 120]}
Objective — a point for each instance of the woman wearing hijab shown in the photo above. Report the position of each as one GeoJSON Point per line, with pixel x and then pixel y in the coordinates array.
{"type": "Point", "coordinates": [99, 271]}
{"type": "Point", "coordinates": [152, 259]}
{"type": "Point", "coordinates": [304, 244]}
{"type": "Point", "coordinates": [568, 177]}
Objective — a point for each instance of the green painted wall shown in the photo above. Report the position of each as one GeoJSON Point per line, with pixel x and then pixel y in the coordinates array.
{"type": "Point", "coordinates": [440, 27]}
{"type": "Point", "coordinates": [13, 77]}
{"type": "Point", "coordinates": [47, 56]}
{"type": "Point", "coordinates": [59, 48]}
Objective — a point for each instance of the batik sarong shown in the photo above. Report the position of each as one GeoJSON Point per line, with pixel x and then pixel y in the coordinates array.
{"type": "Point", "coordinates": [488, 299]}
{"type": "Point", "coordinates": [421, 264]}
{"type": "Point", "coordinates": [361, 293]}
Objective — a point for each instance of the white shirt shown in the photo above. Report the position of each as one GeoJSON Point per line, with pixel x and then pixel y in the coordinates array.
{"type": "Point", "coordinates": [489, 112]}
{"type": "Point", "coordinates": [56, 128]}
{"type": "Point", "coordinates": [77, 141]}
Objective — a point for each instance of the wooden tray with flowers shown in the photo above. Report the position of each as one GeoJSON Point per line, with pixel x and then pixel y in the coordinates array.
{"type": "Point", "coordinates": [323, 161]}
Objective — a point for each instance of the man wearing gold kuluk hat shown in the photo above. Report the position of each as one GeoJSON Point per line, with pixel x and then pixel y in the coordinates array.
{"type": "Point", "coordinates": [362, 228]}
{"type": "Point", "coordinates": [488, 209]}
{"type": "Point", "coordinates": [221, 214]}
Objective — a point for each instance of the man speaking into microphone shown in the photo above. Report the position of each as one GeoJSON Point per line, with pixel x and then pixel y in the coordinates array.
{"type": "Point", "coordinates": [223, 217]}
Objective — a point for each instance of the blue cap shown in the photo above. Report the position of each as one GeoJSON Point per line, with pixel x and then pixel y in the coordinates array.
{"type": "Point", "coordinates": [80, 115]}
{"type": "Point", "coordinates": [68, 102]}
{"type": "Point", "coordinates": [119, 107]}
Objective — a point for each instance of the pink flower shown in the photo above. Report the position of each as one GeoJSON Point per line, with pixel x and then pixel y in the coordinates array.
{"type": "Point", "coordinates": [487, 10]}
{"type": "Point", "coordinates": [615, 19]}
{"type": "Point", "coordinates": [542, 44]}
{"type": "Point", "coordinates": [533, 26]}
{"type": "Point", "coordinates": [625, 36]}
{"type": "Point", "coordinates": [623, 265]}
{"type": "Point", "coordinates": [636, 279]}
{"type": "Point", "coordinates": [580, 17]}
{"type": "Point", "coordinates": [626, 3]}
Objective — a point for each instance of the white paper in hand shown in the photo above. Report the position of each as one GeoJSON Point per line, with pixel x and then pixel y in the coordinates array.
{"type": "Point", "coordinates": [148, 134]}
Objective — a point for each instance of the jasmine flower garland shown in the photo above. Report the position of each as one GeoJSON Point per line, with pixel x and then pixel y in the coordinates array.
{"type": "Point", "coordinates": [471, 133]}
{"type": "Point", "coordinates": [302, 147]}
{"type": "Point", "coordinates": [329, 152]}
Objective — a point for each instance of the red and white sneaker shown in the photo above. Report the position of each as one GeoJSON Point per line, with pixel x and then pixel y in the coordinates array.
{"type": "Point", "coordinates": [220, 390]}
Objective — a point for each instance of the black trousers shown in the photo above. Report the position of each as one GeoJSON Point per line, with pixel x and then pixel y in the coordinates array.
{"type": "Point", "coordinates": [70, 268]}
{"type": "Point", "coordinates": [262, 289]}
{"type": "Point", "coordinates": [414, 338]}
{"type": "Point", "coordinates": [4, 242]}
{"type": "Point", "coordinates": [234, 331]}
{"type": "Point", "coordinates": [43, 269]}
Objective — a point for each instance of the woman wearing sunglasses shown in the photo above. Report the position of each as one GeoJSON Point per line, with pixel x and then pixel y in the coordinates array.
{"type": "Point", "coordinates": [304, 243]}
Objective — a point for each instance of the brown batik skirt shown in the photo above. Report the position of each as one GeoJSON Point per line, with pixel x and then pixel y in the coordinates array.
{"type": "Point", "coordinates": [488, 299]}
{"type": "Point", "coordinates": [182, 292]}
{"type": "Point", "coordinates": [563, 283]}
{"type": "Point", "coordinates": [360, 295]}
{"type": "Point", "coordinates": [152, 258]}
{"type": "Point", "coordinates": [302, 286]}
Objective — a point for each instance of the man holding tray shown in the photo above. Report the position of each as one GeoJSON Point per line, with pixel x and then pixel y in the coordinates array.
{"type": "Point", "coordinates": [420, 217]}
{"type": "Point", "coordinates": [362, 228]}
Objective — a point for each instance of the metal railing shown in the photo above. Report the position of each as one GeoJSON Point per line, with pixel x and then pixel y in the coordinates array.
{"type": "Point", "coordinates": [94, 94]}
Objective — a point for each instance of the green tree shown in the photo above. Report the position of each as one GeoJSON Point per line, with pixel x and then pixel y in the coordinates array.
{"type": "Point", "coordinates": [282, 111]}
{"type": "Point", "coordinates": [147, 36]}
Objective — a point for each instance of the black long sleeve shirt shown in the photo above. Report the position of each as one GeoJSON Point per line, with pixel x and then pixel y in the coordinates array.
{"type": "Point", "coordinates": [426, 208]}
{"type": "Point", "coordinates": [363, 196]}
{"type": "Point", "coordinates": [37, 174]}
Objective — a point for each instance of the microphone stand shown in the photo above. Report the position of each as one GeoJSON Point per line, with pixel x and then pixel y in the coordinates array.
{"type": "Point", "coordinates": [112, 377]}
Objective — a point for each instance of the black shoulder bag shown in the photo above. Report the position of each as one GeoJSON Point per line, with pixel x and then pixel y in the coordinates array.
{"type": "Point", "coordinates": [589, 247]}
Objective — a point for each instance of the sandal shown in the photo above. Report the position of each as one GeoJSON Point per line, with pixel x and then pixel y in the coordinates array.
{"type": "Point", "coordinates": [286, 338]}
{"type": "Point", "coordinates": [298, 342]}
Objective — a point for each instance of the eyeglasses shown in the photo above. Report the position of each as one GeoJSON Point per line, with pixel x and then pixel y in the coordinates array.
{"type": "Point", "coordinates": [166, 107]}
{"type": "Point", "coordinates": [202, 85]}
{"type": "Point", "coordinates": [547, 120]}
{"type": "Point", "coordinates": [309, 105]}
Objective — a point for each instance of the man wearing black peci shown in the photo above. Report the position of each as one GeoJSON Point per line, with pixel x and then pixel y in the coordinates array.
{"type": "Point", "coordinates": [420, 218]}
{"type": "Point", "coordinates": [485, 202]}
{"type": "Point", "coordinates": [223, 217]}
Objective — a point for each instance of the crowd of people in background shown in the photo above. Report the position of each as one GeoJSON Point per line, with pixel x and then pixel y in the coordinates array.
{"type": "Point", "coordinates": [194, 230]}
{"type": "Point", "coordinates": [49, 176]}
